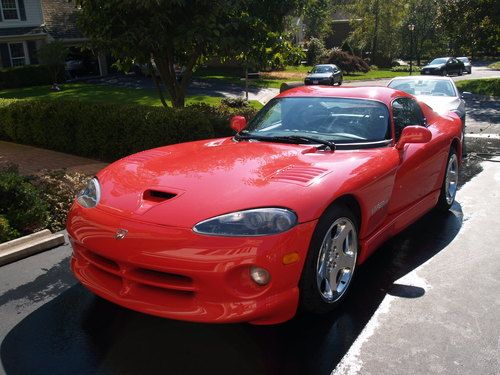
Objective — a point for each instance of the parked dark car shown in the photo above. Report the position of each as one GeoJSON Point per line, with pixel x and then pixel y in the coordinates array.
{"type": "Point", "coordinates": [443, 66]}
{"type": "Point", "coordinates": [467, 64]}
{"type": "Point", "coordinates": [324, 74]}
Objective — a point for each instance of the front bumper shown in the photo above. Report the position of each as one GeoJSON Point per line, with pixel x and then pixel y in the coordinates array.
{"type": "Point", "coordinates": [319, 81]}
{"type": "Point", "coordinates": [175, 273]}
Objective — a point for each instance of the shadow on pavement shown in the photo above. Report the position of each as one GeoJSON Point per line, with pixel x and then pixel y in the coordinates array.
{"type": "Point", "coordinates": [77, 333]}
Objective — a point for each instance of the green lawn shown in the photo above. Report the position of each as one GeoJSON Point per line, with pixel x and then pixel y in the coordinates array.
{"type": "Point", "coordinates": [274, 79]}
{"type": "Point", "coordinates": [488, 86]}
{"type": "Point", "coordinates": [495, 65]}
{"type": "Point", "coordinates": [101, 93]}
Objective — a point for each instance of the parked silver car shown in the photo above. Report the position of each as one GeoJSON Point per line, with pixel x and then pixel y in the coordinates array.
{"type": "Point", "coordinates": [439, 93]}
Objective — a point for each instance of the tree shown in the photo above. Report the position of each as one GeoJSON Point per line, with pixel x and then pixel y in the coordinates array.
{"type": "Point", "coordinates": [318, 18]}
{"type": "Point", "coordinates": [423, 15]}
{"type": "Point", "coordinates": [374, 31]}
{"type": "Point", "coordinates": [53, 55]}
{"type": "Point", "coordinates": [470, 26]}
{"type": "Point", "coordinates": [179, 32]}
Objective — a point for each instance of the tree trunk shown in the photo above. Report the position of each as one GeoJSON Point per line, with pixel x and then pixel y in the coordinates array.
{"type": "Point", "coordinates": [157, 84]}
{"type": "Point", "coordinates": [375, 35]}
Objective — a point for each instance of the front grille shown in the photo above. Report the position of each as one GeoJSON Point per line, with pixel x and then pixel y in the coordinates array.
{"type": "Point", "coordinates": [125, 279]}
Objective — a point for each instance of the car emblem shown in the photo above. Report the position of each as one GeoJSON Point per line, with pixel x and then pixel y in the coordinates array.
{"type": "Point", "coordinates": [120, 234]}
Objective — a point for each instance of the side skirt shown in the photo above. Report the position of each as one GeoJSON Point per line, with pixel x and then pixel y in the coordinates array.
{"type": "Point", "coordinates": [396, 223]}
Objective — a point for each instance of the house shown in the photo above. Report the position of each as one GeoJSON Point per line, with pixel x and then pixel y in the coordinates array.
{"type": "Point", "coordinates": [26, 24]}
{"type": "Point", "coordinates": [21, 32]}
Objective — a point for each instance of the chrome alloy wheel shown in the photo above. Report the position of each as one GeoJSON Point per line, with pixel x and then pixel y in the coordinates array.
{"type": "Point", "coordinates": [451, 183]}
{"type": "Point", "coordinates": [337, 259]}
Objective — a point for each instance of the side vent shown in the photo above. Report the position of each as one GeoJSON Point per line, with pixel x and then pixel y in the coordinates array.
{"type": "Point", "coordinates": [157, 196]}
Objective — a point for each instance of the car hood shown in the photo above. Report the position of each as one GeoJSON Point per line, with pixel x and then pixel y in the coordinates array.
{"type": "Point", "coordinates": [183, 184]}
{"type": "Point", "coordinates": [433, 66]}
{"type": "Point", "coordinates": [441, 104]}
{"type": "Point", "coordinates": [319, 75]}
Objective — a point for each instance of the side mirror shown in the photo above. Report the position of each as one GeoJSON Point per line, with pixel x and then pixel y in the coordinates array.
{"type": "Point", "coordinates": [466, 94]}
{"type": "Point", "coordinates": [413, 134]}
{"type": "Point", "coordinates": [238, 123]}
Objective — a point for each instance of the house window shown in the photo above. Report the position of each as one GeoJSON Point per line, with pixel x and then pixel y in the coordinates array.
{"type": "Point", "coordinates": [9, 10]}
{"type": "Point", "coordinates": [17, 54]}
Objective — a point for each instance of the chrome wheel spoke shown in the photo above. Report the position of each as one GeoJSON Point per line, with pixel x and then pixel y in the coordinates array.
{"type": "Point", "coordinates": [336, 259]}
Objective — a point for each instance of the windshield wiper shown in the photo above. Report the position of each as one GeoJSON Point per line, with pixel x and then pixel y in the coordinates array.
{"type": "Point", "coordinates": [289, 139]}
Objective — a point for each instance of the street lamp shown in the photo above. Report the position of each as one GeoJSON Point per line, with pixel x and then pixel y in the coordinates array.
{"type": "Point", "coordinates": [411, 27]}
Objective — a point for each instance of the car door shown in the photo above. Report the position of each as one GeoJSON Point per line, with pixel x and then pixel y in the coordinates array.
{"type": "Point", "coordinates": [419, 162]}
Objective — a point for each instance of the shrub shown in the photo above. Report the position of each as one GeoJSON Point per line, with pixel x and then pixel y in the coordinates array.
{"type": "Point", "coordinates": [58, 189]}
{"type": "Point", "coordinates": [485, 86]}
{"type": "Point", "coordinates": [7, 233]}
{"type": "Point", "coordinates": [235, 102]}
{"type": "Point", "coordinates": [99, 131]}
{"type": "Point", "coordinates": [220, 116]}
{"type": "Point", "coordinates": [27, 75]}
{"type": "Point", "coordinates": [22, 210]}
{"type": "Point", "coordinates": [347, 62]}
{"type": "Point", "coordinates": [405, 68]}
{"type": "Point", "coordinates": [316, 51]}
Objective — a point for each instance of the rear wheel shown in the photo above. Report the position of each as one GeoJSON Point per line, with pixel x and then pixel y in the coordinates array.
{"type": "Point", "coordinates": [450, 182]}
{"type": "Point", "coordinates": [340, 82]}
{"type": "Point", "coordinates": [330, 262]}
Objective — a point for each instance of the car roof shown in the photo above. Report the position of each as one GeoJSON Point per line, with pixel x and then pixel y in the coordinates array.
{"type": "Point", "coordinates": [379, 93]}
{"type": "Point", "coordinates": [324, 65]}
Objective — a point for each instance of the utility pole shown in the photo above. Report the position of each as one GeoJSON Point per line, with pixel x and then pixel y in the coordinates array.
{"type": "Point", "coordinates": [411, 27]}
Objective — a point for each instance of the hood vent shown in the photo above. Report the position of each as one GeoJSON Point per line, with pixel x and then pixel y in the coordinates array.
{"type": "Point", "coordinates": [299, 175]}
{"type": "Point", "coordinates": [157, 196]}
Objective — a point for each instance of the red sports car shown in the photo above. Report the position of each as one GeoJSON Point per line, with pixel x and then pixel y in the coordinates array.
{"type": "Point", "coordinates": [252, 227]}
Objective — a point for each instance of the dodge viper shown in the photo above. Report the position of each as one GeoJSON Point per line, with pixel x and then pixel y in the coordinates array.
{"type": "Point", "coordinates": [254, 227]}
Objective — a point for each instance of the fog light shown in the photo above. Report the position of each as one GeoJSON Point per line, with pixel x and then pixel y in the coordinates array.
{"type": "Point", "coordinates": [259, 275]}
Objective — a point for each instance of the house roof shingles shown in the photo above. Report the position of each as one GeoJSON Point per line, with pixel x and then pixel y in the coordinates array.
{"type": "Point", "coordinates": [60, 19]}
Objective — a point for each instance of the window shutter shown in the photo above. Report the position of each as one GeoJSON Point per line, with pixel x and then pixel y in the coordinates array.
{"type": "Point", "coordinates": [5, 55]}
{"type": "Point", "coordinates": [22, 10]}
{"type": "Point", "coordinates": [32, 52]}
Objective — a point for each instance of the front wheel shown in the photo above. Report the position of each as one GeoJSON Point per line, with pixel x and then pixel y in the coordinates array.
{"type": "Point", "coordinates": [330, 262]}
{"type": "Point", "coordinates": [340, 82]}
{"type": "Point", "coordinates": [450, 182]}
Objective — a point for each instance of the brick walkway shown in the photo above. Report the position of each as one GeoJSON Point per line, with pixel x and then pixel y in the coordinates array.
{"type": "Point", "coordinates": [32, 159]}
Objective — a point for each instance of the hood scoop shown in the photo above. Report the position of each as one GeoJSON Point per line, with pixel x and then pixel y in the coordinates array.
{"type": "Point", "coordinates": [299, 175]}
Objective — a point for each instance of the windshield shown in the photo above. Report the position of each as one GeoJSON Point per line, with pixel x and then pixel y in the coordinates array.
{"type": "Point", "coordinates": [339, 120]}
{"type": "Point", "coordinates": [441, 60]}
{"type": "Point", "coordinates": [428, 87]}
{"type": "Point", "coordinates": [322, 69]}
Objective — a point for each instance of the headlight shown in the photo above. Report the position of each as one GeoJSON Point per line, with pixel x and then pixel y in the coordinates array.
{"type": "Point", "coordinates": [89, 196]}
{"type": "Point", "coordinates": [255, 222]}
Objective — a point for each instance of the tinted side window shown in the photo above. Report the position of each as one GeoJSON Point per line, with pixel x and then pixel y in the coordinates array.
{"type": "Point", "coordinates": [406, 112]}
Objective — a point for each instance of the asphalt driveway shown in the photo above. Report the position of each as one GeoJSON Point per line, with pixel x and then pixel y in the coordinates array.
{"type": "Point", "coordinates": [51, 324]}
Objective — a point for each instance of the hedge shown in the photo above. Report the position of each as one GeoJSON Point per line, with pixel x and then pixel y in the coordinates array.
{"type": "Point", "coordinates": [27, 75]}
{"type": "Point", "coordinates": [109, 131]}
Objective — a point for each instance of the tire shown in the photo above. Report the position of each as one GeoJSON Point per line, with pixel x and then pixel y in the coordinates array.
{"type": "Point", "coordinates": [460, 72]}
{"type": "Point", "coordinates": [450, 182]}
{"type": "Point", "coordinates": [444, 73]}
{"type": "Point", "coordinates": [337, 227]}
{"type": "Point", "coordinates": [340, 82]}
